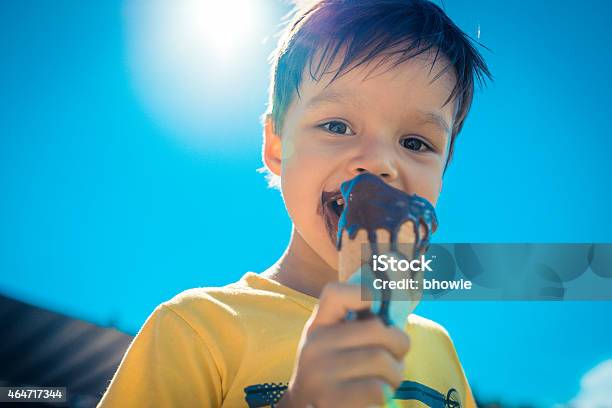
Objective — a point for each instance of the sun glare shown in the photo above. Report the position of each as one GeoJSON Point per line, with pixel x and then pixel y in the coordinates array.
{"type": "Point", "coordinates": [194, 61]}
{"type": "Point", "coordinates": [220, 27]}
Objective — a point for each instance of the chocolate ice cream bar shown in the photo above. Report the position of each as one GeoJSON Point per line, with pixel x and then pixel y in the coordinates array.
{"type": "Point", "coordinates": [379, 219]}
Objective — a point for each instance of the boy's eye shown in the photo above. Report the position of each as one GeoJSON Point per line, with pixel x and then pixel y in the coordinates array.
{"type": "Point", "coordinates": [412, 143]}
{"type": "Point", "coordinates": [335, 126]}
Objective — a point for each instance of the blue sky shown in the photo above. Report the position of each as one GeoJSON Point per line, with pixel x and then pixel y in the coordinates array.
{"type": "Point", "coordinates": [128, 168]}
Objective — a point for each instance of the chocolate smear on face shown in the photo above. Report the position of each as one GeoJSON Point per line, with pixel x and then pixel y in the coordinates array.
{"type": "Point", "coordinates": [331, 208]}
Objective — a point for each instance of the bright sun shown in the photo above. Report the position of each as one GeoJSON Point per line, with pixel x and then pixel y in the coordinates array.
{"type": "Point", "coordinates": [219, 26]}
{"type": "Point", "coordinates": [193, 60]}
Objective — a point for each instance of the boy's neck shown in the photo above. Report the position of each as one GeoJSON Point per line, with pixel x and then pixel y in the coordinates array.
{"type": "Point", "coordinates": [302, 269]}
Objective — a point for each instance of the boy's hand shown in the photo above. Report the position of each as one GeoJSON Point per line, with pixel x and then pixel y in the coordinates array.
{"type": "Point", "coordinates": [345, 363]}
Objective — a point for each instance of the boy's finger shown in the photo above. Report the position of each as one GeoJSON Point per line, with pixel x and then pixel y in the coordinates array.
{"type": "Point", "coordinates": [335, 302]}
{"type": "Point", "coordinates": [367, 333]}
{"type": "Point", "coordinates": [369, 362]}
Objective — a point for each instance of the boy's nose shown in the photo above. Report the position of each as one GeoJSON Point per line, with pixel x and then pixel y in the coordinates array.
{"type": "Point", "coordinates": [375, 160]}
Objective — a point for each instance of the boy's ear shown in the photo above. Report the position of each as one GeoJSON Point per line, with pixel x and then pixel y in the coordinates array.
{"type": "Point", "coordinates": [272, 147]}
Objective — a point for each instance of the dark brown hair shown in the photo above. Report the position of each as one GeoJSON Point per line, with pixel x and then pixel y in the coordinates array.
{"type": "Point", "coordinates": [364, 30]}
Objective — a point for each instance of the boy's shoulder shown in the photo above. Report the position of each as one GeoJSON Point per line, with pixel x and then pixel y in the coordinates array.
{"type": "Point", "coordinates": [220, 298]}
{"type": "Point", "coordinates": [215, 314]}
{"type": "Point", "coordinates": [250, 285]}
{"type": "Point", "coordinates": [209, 294]}
{"type": "Point", "coordinates": [424, 325]}
{"type": "Point", "coordinates": [429, 336]}
{"type": "Point", "coordinates": [247, 297]}
{"type": "Point", "coordinates": [253, 297]}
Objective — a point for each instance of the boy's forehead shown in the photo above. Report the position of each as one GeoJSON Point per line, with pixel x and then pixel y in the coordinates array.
{"type": "Point", "coordinates": [415, 83]}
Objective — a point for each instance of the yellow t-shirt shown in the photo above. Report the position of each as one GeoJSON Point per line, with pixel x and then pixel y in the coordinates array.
{"type": "Point", "coordinates": [235, 346]}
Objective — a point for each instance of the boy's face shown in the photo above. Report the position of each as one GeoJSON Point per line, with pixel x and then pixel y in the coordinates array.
{"type": "Point", "coordinates": [390, 123]}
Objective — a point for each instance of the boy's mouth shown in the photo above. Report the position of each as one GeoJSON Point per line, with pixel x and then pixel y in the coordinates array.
{"type": "Point", "coordinates": [332, 204]}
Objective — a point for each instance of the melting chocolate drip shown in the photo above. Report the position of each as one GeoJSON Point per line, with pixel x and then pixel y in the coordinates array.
{"type": "Point", "coordinates": [372, 204]}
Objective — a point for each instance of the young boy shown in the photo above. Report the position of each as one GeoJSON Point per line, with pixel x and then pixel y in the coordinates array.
{"type": "Point", "coordinates": [379, 86]}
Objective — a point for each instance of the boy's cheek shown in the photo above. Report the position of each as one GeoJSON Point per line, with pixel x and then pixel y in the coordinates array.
{"type": "Point", "coordinates": [424, 181]}
{"type": "Point", "coordinates": [310, 154]}
{"type": "Point", "coordinates": [429, 188]}
{"type": "Point", "coordinates": [307, 165]}
{"type": "Point", "coordinates": [311, 145]}
{"type": "Point", "coordinates": [298, 187]}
